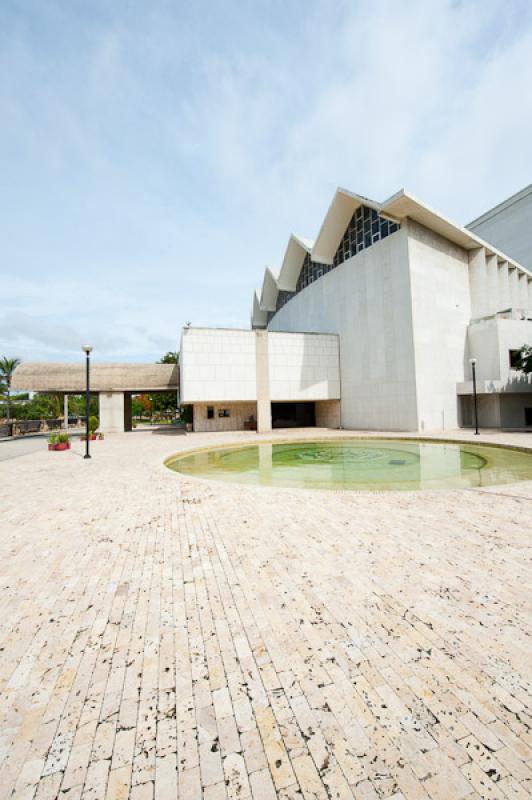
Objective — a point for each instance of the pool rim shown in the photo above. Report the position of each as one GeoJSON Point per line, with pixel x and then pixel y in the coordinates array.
{"type": "Point", "coordinates": [325, 439]}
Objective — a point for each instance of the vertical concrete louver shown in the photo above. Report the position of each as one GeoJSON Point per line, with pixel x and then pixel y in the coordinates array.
{"type": "Point", "coordinates": [492, 284]}
{"type": "Point", "coordinates": [514, 288]}
{"type": "Point", "coordinates": [504, 286]}
{"type": "Point", "coordinates": [478, 282]}
{"type": "Point", "coordinates": [523, 290]}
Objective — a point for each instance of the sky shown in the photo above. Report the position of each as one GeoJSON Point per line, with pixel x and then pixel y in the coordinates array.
{"type": "Point", "coordinates": [155, 156]}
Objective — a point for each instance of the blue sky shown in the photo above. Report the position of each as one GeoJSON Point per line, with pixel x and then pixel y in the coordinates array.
{"type": "Point", "coordinates": [155, 156]}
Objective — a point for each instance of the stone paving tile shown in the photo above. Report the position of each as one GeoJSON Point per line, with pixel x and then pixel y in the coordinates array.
{"type": "Point", "coordinates": [167, 637]}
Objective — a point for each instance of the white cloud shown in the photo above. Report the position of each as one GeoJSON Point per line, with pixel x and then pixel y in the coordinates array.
{"type": "Point", "coordinates": [156, 162]}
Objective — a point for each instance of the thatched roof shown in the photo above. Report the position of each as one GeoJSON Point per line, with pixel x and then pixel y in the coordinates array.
{"type": "Point", "coordinates": [55, 377]}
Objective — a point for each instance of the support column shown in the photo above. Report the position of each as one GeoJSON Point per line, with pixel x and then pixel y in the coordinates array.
{"type": "Point", "coordinates": [492, 284]}
{"type": "Point", "coordinates": [523, 291]}
{"type": "Point", "coordinates": [65, 411]}
{"type": "Point", "coordinates": [264, 406]}
{"type": "Point", "coordinates": [111, 412]}
{"type": "Point", "coordinates": [514, 288]}
{"type": "Point", "coordinates": [504, 286]}
{"type": "Point", "coordinates": [529, 289]}
{"type": "Point", "coordinates": [478, 283]}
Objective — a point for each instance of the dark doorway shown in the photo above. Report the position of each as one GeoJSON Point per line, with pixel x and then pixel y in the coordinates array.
{"type": "Point", "coordinates": [293, 415]}
{"type": "Point", "coordinates": [528, 417]}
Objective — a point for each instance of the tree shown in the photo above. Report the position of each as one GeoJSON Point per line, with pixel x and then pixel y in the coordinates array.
{"type": "Point", "coordinates": [525, 359]}
{"type": "Point", "coordinates": [7, 368]}
{"type": "Point", "coordinates": [170, 357]}
{"type": "Point", "coordinates": [165, 402]}
{"type": "Point", "coordinates": [145, 401]}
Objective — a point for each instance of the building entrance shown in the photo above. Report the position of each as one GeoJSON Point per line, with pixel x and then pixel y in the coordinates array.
{"type": "Point", "coordinates": [293, 415]}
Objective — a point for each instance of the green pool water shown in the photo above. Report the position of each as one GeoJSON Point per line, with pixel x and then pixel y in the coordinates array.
{"type": "Point", "coordinates": [373, 464]}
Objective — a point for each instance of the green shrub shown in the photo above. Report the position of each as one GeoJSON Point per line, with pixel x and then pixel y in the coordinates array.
{"type": "Point", "coordinates": [93, 424]}
{"type": "Point", "coordinates": [60, 437]}
{"type": "Point", "coordinates": [186, 414]}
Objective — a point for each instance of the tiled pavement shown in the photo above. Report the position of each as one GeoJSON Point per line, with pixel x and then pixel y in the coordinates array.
{"type": "Point", "coordinates": [163, 637]}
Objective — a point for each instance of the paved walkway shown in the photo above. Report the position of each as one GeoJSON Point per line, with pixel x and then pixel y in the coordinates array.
{"type": "Point", "coordinates": [163, 637]}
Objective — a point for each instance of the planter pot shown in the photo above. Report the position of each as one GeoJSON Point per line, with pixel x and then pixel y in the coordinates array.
{"type": "Point", "coordinates": [60, 446]}
{"type": "Point", "coordinates": [92, 438]}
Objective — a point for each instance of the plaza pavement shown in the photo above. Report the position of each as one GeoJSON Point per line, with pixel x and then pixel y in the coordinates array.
{"type": "Point", "coordinates": [164, 637]}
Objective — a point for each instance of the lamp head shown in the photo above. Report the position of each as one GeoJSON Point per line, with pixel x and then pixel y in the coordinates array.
{"type": "Point", "coordinates": [86, 348]}
{"type": "Point", "coordinates": [473, 361]}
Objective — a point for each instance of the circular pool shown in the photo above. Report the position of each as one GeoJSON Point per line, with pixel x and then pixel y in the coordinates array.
{"type": "Point", "coordinates": [368, 464]}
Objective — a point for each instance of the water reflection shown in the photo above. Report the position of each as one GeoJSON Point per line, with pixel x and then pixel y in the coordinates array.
{"type": "Point", "coordinates": [359, 464]}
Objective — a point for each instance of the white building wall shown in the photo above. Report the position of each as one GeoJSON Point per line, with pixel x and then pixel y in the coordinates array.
{"type": "Point", "coordinates": [512, 335]}
{"type": "Point", "coordinates": [439, 277]}
{"type": "Point", "coordinates": [483, 344]}
{"type": "Point", "coordinates": [490, 341]}
{"type": "Point", "coordinates": [366, 300]}
{"type": "Point", "coordinates": [303, 366]}
{"type": "Point", "coordinates": [239, 415]}
{"type": "Point", "coordinates": [217, 364]}
{"type": "Point", "coordinates": [503, 393]}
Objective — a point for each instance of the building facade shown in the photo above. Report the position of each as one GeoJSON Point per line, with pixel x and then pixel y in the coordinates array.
{"type": "Point", "coordinates": [509, 226]}
{"type": "Point", "coordinates": [409, 297]}
{"type": "Point", "coordinates": [238, 379]}
{"type": "Point", "coordinates": [371, 326]}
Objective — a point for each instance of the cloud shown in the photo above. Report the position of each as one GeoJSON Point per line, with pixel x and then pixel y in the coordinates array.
{"type": "Point", "coordinates": [156, 161]}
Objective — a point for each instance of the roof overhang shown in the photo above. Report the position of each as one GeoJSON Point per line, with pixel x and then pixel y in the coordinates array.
{"type": "Point", "coordinates": [57, 377]}
{"type": "Point", "coordinates": [404, 205]}
{"type": "Point", "coordinates": [296, 250]}
{"type": "Point", "coordinates": [270, 290]}
{"type": "Point", "coordinates": [336, 220]}
{"type": "Point", "coordinates": [398, 208]}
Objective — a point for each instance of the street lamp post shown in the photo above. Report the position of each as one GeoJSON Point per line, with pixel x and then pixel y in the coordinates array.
{"type": "Point", "coordinates": [473, 362]}
{"type": "Point", "coordinates": [87, 350]}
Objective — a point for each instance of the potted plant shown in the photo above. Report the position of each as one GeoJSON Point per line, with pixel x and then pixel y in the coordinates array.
{"type": "Point", "coordinates": [59, 441]}
{"type": "Point", "coordinates": [93, 425]}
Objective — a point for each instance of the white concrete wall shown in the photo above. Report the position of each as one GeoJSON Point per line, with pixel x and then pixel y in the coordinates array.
{"type": "Point", "coordinates": [111, 408]}
{"type": "Point", "coordinates": [483, 344]}
{"type": "Point", "coordinates": [239, 413]}
{"type": "Point", "coordinates": [490, 342]}
{"type": "Point", "coordinates": [366, 300]}
{"type": "Point", "coordinates": [508, 227]}
{"type": "Point", "coordinates": [220, 365]}
{"type": "Point", "coordinates": [512, 335]}
{"type": "Point", "coordinates": [303, 366]}
{"type": "Point", "coordinates": [217, 364]}
{"type": "Point", "coordinates": [439, 277]}
{"type": "Point", "coordinates": [328, 414]}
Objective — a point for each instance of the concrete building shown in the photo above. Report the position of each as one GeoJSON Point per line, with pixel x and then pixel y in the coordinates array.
{"type": "Point", "coordinates": [370, 326]}
{"type": "Point", "coordinates": [236, 379]}
{"type": "Point", "coordinates": [412, 297]}
{"type": "Point", "coordinates": [509, 226]}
